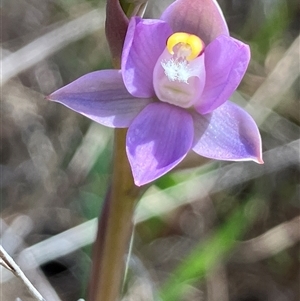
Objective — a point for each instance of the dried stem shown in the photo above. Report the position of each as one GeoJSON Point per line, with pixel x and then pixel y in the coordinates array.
{"type": "Point", "coordinates": [44, 46]}
{"type": "Point", "coordinates": [9, 263]}
{"type": "Point", "coordinates": [114, 229]}
{"type": "Point", "coordinates": [269, 243]}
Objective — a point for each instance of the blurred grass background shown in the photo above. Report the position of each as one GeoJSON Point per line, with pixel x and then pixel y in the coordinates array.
{"type": "Point", "coordinates": [214, 231]}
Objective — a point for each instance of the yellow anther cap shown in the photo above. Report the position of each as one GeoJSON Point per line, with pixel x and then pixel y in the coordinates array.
{"type": "Point", "coordinates": [195, 44]}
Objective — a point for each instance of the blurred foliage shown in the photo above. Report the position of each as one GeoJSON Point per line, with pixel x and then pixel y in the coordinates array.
{"type": "Point", "coordinates": [56, 165]}
{"type": "Point", "coordinates": [207, 255]}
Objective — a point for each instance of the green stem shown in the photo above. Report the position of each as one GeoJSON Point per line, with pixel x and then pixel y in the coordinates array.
{"type": "Point", "coordinates": [115, 228]}
{"type": "Point", "coordinates": [133, 9]}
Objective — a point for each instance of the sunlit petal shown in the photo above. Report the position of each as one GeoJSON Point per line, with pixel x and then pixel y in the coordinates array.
{"type": "Point", "coordinates": [228, 133]}
{"type": "Point", "coordinates": [203, 18]}
{"type": "Point", "coordinates": [226, 61]}
{"type": "Point", "coordinates": [144, 43]}
{"type": "Point", "coordinates": [102, 97]}
{"type": "Point", "coordinates": [157, 140]}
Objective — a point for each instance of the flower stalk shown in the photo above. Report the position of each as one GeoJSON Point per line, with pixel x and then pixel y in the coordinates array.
{"type": "Point", "coordinates": [115, 228]}
{"type": "Point", "coordinates": [115, 224]}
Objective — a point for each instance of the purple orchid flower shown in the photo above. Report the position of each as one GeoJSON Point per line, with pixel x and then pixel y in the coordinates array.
{"type": "Point", "coordinates": [172, 91]}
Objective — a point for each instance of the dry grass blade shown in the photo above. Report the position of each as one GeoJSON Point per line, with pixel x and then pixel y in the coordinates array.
{"type": "Point", "coordinates": [162, 202]}
{"type": "Point", "coordinates": [280, 80]}
{"type": "Point", "coordinates": [51, 42]}
{"type": "Point", "coordinates": [14, 268]}
{"type": "Point", "coordinates": [271, 242]}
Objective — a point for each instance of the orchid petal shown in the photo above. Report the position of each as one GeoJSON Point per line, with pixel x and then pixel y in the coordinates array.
{"type": "Point", "coordinates": [144, 43]}
{"type": "Point", "coordinates": [178, 83]}
{"type": "Point", "coordinates": [228, 133]}
{"type": "Point", "coordinates": [226, 61]}
{"type": "Point", "coordinates": [102, 97]}
{"type": "Point", "coordinates": [157, 140]}
{"type": "Point", "coordinates": [202, 18]}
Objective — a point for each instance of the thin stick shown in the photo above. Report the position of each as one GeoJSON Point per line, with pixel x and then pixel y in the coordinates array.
{"type": "Point", "coordinates": [9, 263]}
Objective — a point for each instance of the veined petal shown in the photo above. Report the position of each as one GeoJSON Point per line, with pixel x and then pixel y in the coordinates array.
{"type": "Point", "coordinates": [226, 61]}
{"type": "Point", "coordinates": [102, 97]}
{"type": "Point", "coordinates": [157, 140]}
{"type": "Point", "coordinates": [228, 133]}
{"type": "Point", "coordinates": [144, 43]}
{"type": "Point", "coordinates": [202, 18]}
{"type": "Point", "coordinates": [179, 82]}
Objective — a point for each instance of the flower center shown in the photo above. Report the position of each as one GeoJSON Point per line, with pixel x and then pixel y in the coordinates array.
{"type": "Point", "coordinates": [184, 48]}
{"type": "Point", "coordinates": [185, 45]}
{"type": "Point", "coordinates": [179, 74]}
